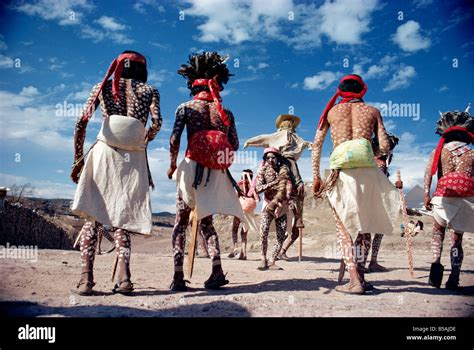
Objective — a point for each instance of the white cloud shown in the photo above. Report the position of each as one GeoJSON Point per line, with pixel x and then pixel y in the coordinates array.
{"type": "Point", "coordinates": [410, 157]}
{"type": "Point", "coordinates": [110, 23]}
{"type": "Point", "coordinates": [261, 65]}
{"type": "Point", "coordinates": [3, 45]}
{"type": "Point", "coordinates": [341, 21]}
{"type": "Point", "coordinates": [401, 78]}
{"type": "Point", "coordinates": [320, 81]}
{"type": "Point", "coordinates": [238, 21]}
{"type": "Point", "coordinates": [26, 121]}
{"type": "Point", "coordinates": [29, 91]}
{"type": "Point", "coordinates": [98, 35]}
{"type": "Point", "coordinates": [141, 6]}
{"type": "Point", "coordinates": [6, 62]}
{"type": "Point", "coordinates": [65, 12]}
{"type": "Point", "coordinates": [409, 38]}
{"type": "Point", "coordinates": [443, 88]}
{"type": "Point", "coordinates": [422, 3]}
{"type": "Point", "coordinates": [159, 77]}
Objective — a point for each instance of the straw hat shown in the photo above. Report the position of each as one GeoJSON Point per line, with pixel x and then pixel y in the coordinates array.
{"type": "Point", "coordinates": [282, 117]}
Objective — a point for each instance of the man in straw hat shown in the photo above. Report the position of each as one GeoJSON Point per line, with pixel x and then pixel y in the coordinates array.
{"type": "Point", "coordinates": [291, 146]}
{"type": "Point", "coordinates": [203, 181]}
{"type": "Point", "coordinates": [362, 198]}
{"type": "Point", "coordinates": [453, 200]}
{"type": "Point", "coordinates": [113, 183]}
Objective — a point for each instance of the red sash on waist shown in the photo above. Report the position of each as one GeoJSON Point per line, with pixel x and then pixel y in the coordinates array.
{"type": "Point", "coordinates": [455, 184]}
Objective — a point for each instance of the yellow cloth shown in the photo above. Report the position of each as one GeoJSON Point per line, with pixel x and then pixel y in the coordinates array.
{"type": "Point", "coordinates": [350, 154]}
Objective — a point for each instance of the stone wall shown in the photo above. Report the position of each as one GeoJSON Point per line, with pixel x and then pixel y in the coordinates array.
{"type": "Point", "coordinates": [23, 226]}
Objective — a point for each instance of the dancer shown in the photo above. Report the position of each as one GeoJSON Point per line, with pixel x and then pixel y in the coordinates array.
{"type": "Point", "coordinates": [203, 180]}
{"type": "Point", "coordinates": [453, 200]}
{"type": "Point", "coordinates": [362, 198]}
{"type": "Point", "coordinates": [113, 183]}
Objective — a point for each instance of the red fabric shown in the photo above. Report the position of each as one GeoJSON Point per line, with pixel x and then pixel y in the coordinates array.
{"type": "Point", "coordinates": [116, 68]}
{"type": "Point", "coordinates": [211, 148]}
{"type": "Point", "coordinates": [346, 96]}
{"type": "Point", "coordinates": [455, 184]}
{"type": "Point", "coordinates": [212, 96]}
{"type": "Point", "coordinates": [439, 148]}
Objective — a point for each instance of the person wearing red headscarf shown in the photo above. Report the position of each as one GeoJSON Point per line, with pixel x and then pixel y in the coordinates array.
{"type": "Point", "coordinates": [362, 199]}
{"type": "Point", "coordinates": [114, 180]}
{"type": "Point", "coordinates": [453, 200]}
{"type": "Point", "coordinates": [203, 181]}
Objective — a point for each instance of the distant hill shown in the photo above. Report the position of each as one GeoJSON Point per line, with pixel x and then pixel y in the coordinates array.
{"type": "Point", "coordinates": [164, 214]}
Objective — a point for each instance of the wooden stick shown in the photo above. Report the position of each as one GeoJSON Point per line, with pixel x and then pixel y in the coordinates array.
{"type": "Point", "coordinates": [77, 239]}
{"type": "Point", "coordinates": [300, 256]}
{"type": "Point", "coordinates": [342, 271]}
{"type": "Point", "coordinates": [408, 236]}
{"type": "Point", "coordinates": [115, 267]}
{"type": "Point", "coordinates": [192, 243]}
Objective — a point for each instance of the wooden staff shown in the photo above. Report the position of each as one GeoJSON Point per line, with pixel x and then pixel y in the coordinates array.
{"type": "Point", "coordinates": [300, 256]}
{"type": "Point", "coordinates": [406, 229]}
{"type": "Point", "coordinates": [192, 243]}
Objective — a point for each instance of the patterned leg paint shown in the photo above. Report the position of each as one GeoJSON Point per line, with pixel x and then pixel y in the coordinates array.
{"type": "Point", "coordinates": [362, 247]}
{"type": "Point", "coordinates": [183, 211]}
{"type": "Point", "coordinates": [280, 224]}
{"type": "Point", "coordinates": [212, 240]}
{"type": "Point", "coordinates": [88, 245]}
{"type": "Point", "coordinates": [376, 243]}
{"type": "Point", "coordinates": [123, 249]}
{"type": "Point", "coordinates": [344, 240]}
{"type": "Point", "coordinates": [265, 221]}
{"type": "Point", "coordinates": [437, 240]}
{"type": "Point", "coordinates": [457, 255]}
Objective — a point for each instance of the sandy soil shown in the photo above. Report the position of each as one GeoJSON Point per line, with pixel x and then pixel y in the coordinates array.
{"type": "Point", "coordinates": [42, 288]}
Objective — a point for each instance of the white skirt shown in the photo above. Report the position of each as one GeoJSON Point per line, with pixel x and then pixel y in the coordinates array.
{"type": "Point", "coordinates": [456, 213]}
{"type": "Point", "coordinates": [217, 197]}
{"type": "Point", "coordinates": [366, 201]}
{"type": "Point", "coordinates": [113, 188]}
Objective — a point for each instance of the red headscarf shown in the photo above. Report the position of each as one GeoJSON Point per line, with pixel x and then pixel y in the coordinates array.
{"type": "Point", "coordinates": [116, 68]}
{"type": "Point", "coordinates": [439, 148]}
{"type": "Point", "coordinates": [346, 96]}
{"type": "Point", "coordinates": [213, 96]}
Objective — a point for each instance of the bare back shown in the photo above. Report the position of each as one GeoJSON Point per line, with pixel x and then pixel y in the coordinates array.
{"type": "Point", "coordinates": [350, 121]}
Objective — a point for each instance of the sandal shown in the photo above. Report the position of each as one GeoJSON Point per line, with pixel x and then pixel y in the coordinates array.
{"type": "Point", "coordinates": [216, 282]}
{"type": "Point", "coordinates": [351, 289]}
{"type": "Point", "coordinates": [84, 288]}
{"type": "Point", "coordinates": [125, 287]}
{"type": "Point", "coordinates": [179, 285]}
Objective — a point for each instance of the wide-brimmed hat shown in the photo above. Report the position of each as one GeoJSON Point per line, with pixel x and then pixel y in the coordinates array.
{"type": "Point", "coordinates": [282, 117]}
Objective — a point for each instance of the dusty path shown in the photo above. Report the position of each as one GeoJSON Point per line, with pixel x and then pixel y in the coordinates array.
{"type": "Point", "coordinates": [302, 289]}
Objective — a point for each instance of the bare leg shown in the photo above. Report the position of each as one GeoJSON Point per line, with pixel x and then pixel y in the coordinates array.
{"type": "Point", "coordinates": [437, 240]}
{"type": "Point", "coordinates": [88, 245]}
{"type": "Point", "coordinates": [183, 211]}
{"type": "Point", "coordinates": [235, 231]}
{"type": "Point", "coordinates": [457, 255]}
{"type": "Point", "coordinates": [243, 250]}
{"type": "Point", "coordinates": [280, 224]}
{"type": "Point", "coordinates": [374, 266]}
{"type": "Point", "coordinates": [122, 247]}
{"type": "Point", "coordinates": [217, 278]}
{"type": "Point", "coordinates": [344, 240]}
{"type": "Point", "coordinates": [265, 221]}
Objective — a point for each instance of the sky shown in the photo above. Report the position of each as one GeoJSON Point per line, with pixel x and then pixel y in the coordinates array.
{"type": "Point", "coordinates": [416, 56]}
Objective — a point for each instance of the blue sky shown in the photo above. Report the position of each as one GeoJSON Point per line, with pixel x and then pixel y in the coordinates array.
{"type": "Point", "coordinates": [284, 54]}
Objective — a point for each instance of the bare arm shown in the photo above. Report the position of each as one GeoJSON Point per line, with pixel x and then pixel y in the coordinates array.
{"type": "Point", "coordinates": [81, 125]}
{"type": "Point", "coordinates": [428, 176]}
{"type": "Point", "coordinates": [232, 134]}
{"type": "Point", "coordinates": [318, 148]}
{"type": "Point", "coordinates": [384, 142]}
{"type": "Point", "coordinates": [175, 139]}
{"type": "Point", "coordinates": [261, 185]}
{"type": "Point", "coordinates": [155, 116]}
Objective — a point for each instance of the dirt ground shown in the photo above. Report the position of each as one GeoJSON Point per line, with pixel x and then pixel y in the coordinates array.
{"type": "Point", "coordinates": [304, 288]}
